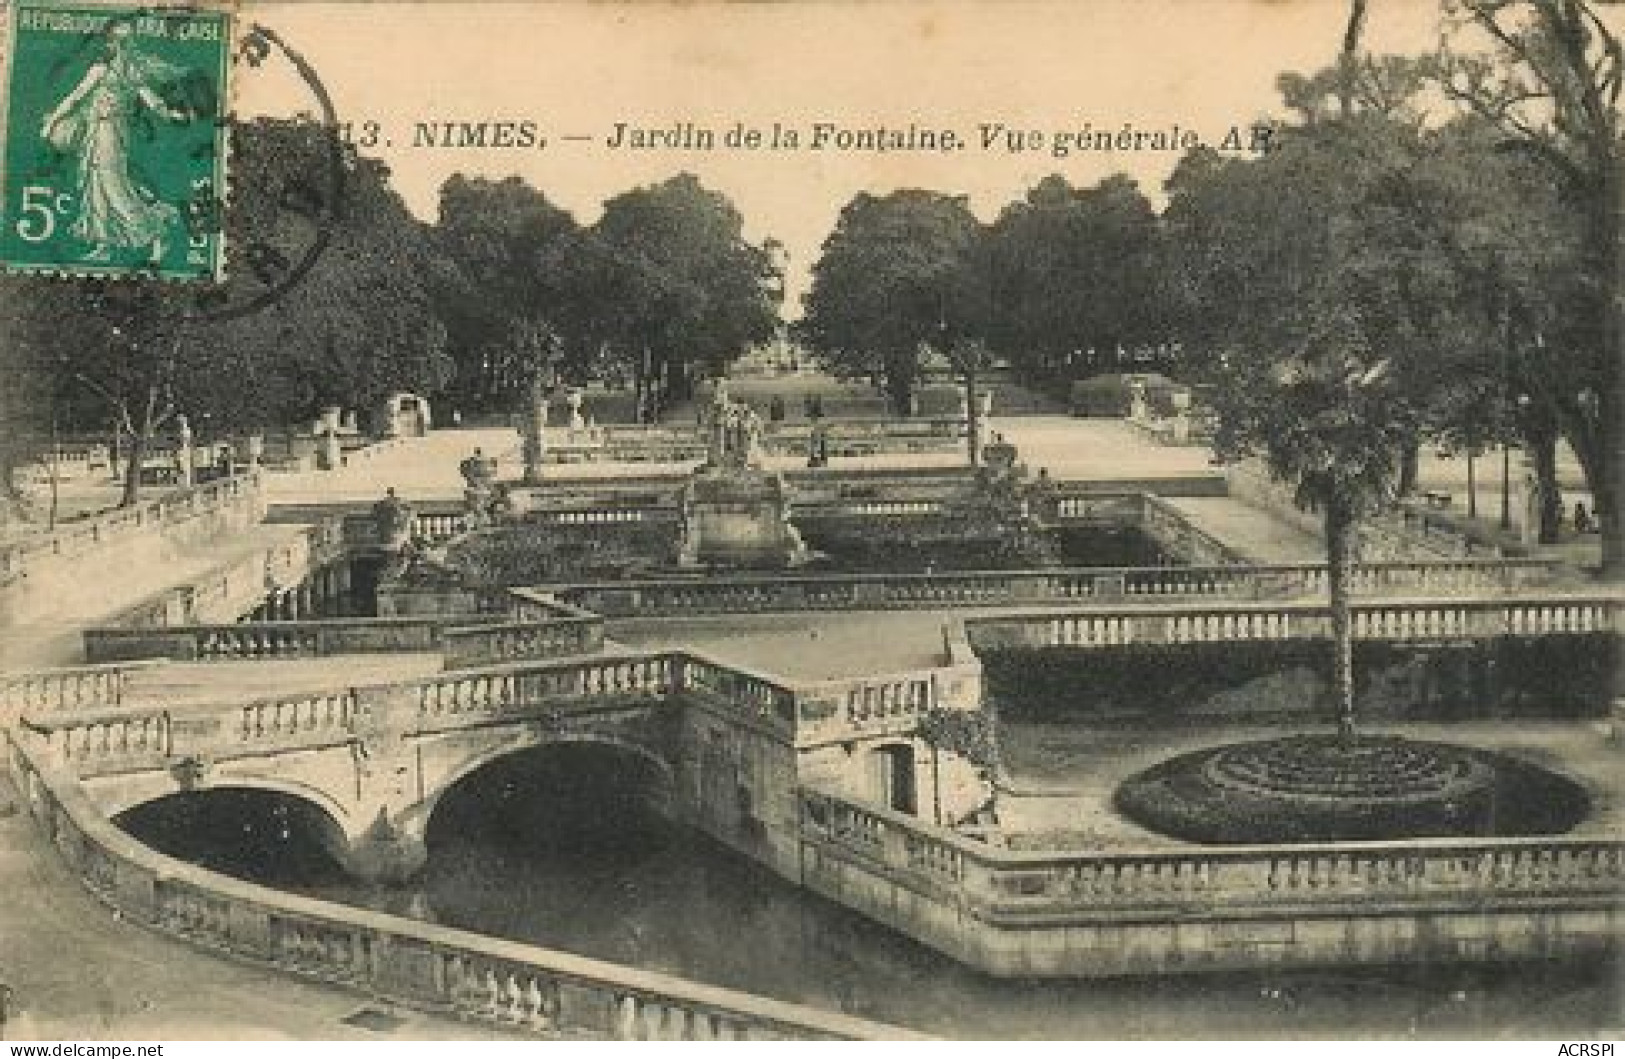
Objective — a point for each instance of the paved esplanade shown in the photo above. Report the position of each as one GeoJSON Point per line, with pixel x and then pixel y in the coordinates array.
{"type": "Point", "coordinates": [1095, 449]}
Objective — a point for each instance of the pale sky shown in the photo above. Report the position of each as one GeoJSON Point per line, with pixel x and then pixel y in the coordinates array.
{"type": "Point", "coordinates": [576, 68]}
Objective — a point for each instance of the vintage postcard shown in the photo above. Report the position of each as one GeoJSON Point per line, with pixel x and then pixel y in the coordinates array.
{"type": "Point", "coordinates": [814, 520]}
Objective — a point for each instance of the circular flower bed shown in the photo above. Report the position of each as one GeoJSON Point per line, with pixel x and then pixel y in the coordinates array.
{"type": "Point", "coordinates": [1315, 788]}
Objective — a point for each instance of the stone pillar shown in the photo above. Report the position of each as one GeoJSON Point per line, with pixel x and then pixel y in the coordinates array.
{"type": "Point", "coordinates": [185, 465]}
{"type": "Point", "coordinates": [535, 433]}
{"type": "Point", "coordinates": [1182, 416]}
{"type": "Point", "coordinates": [330, 457]}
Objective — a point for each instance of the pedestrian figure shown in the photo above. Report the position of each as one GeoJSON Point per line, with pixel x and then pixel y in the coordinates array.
{"type": "Point", "coordinates": [1582, 517]}
{"type": "Point", "coordinates": [6, 996]}
{"type": "Point", "coordinates": [775, 409]}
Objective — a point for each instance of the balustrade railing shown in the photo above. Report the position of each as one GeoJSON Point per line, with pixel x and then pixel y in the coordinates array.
{"type": "Point", "coordinates": [324, 716]}
{"type": "Point", "coordinates": [435, 526]}
{"type": "Point", "coordinates": [1397, 620]}
{"type": "Point", "coordinates": [71, 688]}
{"type": "Point", "coordinates": [1210, 883]}
{"type": "Point", "coordinates": [984, 587]}
{"type": "Point", "coordinates": [749, 695]}
{"type": "Point", "coordinates": [509, 688]}
{"type": "Point", "coordinates": [522, 988]}
{"type": "Point", "coordinates": [111, 743]}
{"type": "Point", "coordinates": [75, 539]}
{"type": "Point", "coordinates": [263, 640]}
{"type": "Point", "coordinates": [522, 640]}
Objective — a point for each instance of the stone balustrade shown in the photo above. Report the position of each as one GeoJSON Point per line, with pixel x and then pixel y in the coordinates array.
{"type": "Point", "coordinates": [437, 526]}
{"type": "Point", "coordinates": [667, 444]}
{"type": "Point", "coordinates": [678, 596]}
{"type": "Point", "coordinates": [153, 517]}
{"type": "Point", "coordinates": [530, 604]}
{"type": "Point", "coordinates": [323, 718]}
{"type": "Point", "coordinates": [504, 689]}
{"type": "Point", "coordinates": [70, 688]}
{"type": "Point", "coordinates": [522, 640]}
{"type": "Point", "coordinates": [107, 740]}
{"type": "Point", "coordinates": [265, 640]}
{"type": "Point", "coordinates": [751, 696]}
{"type": "Point", "coordinates": [1393, 620]}
{"type": "Point", "coordinates": [279, 578]}
{"type": "Point", "coordinates": [94, 745]}
{"type": "Point", "coordinates": [528, 990]}
{"type": "Point", "coordinates": [1220, 881]}
{"type": "Point", "coordinates": [1193, 908]}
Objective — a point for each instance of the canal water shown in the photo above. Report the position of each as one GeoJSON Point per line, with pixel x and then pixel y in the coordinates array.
{"type": "Point", "coordinates": [554, 847]}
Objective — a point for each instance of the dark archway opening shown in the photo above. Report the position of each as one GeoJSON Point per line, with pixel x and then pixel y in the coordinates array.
{"type": "Point", "coordinates": [565, 844]}
{"type": "Point", "coordinates": [259, 835]}
{"type": "Point", "coordinates": [581, 796]}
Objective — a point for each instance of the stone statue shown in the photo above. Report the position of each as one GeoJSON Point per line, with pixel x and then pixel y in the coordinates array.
{"type": "Point", "coordinates": [479, 477]}
{"type": "Point", "coordinates": [392, 519]}
{"type": "Point", "coordinates": [573, 400]}
{"type": "Point", "coordinates": [733, 433]}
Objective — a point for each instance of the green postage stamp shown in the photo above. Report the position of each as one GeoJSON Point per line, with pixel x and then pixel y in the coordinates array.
{"type": "Point", "coordinates": [115, 139]}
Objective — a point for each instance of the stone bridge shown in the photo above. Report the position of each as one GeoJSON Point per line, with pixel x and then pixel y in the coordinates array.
{"type": "Point", "coordinates": [720, 748]}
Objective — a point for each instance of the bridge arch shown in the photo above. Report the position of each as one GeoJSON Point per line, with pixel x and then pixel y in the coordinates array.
{"type": "Point", "coordinates": [321, 821]}
{"type": "Point", "coordinates": [127, 796]}
{"type": "Point", "coordinates": [466, 766]}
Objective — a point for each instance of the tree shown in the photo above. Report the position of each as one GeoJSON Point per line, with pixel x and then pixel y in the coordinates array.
{"type": "Point", "coordinates": [899, 275]}
{"type": "Point", "coordinates": [1329, 421]}
{"type": "Point", "coordinates": [1550, 85]}
{"type": "Point", "coordinates": [502, 305]}
{"type": "Point", "coordinates": [677, 289]}
{"type": "Point", "coordinates": [357, 325]}
{"type": "Point", "coordinates": [1302, 277]}
{"type": "Point", "coordinates": [1073, 270]}
{"type": "Point", "coordinates": [28, 400]}
{"type": "Point", "coordinates": [361, 324]}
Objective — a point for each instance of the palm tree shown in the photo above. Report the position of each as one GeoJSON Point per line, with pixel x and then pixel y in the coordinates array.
{"type": "Point", "coordinates": [1328, 422]}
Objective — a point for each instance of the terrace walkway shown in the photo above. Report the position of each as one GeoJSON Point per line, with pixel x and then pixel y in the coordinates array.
{"type": "Point", "coordinates": [1253, 533]}
{"type": "Point", "coordinates": [56, 642]}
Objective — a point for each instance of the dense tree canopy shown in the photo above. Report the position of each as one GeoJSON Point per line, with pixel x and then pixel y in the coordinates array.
{"type": "Point", "coordinates": [901, 274]}
{"type": "Point", "coordinates": [678, 292]}
{"type": "Point", "coordinates": [1547, 76]}
{"type": "Point", "coordinates": [1075, 271]}
{"type": "Point", "coordinates": [504, 296]}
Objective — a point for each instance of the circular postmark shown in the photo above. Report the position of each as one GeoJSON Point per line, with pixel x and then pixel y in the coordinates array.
{"type": "Point", "coordinates": [282, 217]}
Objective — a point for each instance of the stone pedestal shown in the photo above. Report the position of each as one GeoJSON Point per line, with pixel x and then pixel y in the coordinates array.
{"type": "Point", "coordinates": [738, 519]}
{"type": "Point", "coordinates": [329, 456]}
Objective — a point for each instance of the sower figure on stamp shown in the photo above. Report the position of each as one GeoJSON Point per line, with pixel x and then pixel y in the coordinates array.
{"type": "Point", "coordinates": [94, 123]}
